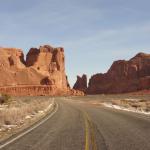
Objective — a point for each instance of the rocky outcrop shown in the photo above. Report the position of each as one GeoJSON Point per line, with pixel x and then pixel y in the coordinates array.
{"type": "Point", "coordinates": [39, 90]}
{"type": "Point", "coordinates": [43, 72]}
{"type": "Point", "coordinates": [49, 62]}
{"type": "Point", "coordinates": [123, 76]}
{"type": "Point", "coordinates": [81, 83]}
{"type": "Point", "coordinates": [74, 92]}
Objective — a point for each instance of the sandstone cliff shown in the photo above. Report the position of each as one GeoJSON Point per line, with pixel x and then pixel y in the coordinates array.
{"type": "Point", "coordinates": [81, 83]}
{"type": "Point", "coordinates": [123, 76]}
{"type": "Point", "coordinates": [43, 72]}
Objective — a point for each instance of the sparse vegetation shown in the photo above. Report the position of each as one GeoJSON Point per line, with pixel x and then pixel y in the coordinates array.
{"type": "Point", "coordinates": [133, 102]}
{"type": "Point", "coordinates": [19, 109]}
{"type": "Point", "coordinates": [16, 111]}
{"type": "Point", "coordinates": [143, 105]}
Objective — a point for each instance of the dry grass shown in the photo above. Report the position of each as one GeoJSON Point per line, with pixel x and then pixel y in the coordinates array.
{"type": "Point", "coordinates": [143, 105]}
{"type": "Point", "coordinates": [17, 110]}
{"type": "Point", "coordinates": [128, 101]}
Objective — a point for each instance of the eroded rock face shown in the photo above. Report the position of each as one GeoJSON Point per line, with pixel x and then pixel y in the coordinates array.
{"type": "Point", "coordinates": [49, 61]}
{"type": "Point", "coordinates": [44, 69]}
{"type": "Point", "coordinates": [81, 83]}
{"type": "Point", "coordinates": [123, 76]}
{"type": "Point", "coordinates": [11, 58]}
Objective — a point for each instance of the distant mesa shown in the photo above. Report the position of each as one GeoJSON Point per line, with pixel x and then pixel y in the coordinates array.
{"type": "Point", "coordinates": [123, 76]}
{"type": "Point", "coordinates": [42, 73]}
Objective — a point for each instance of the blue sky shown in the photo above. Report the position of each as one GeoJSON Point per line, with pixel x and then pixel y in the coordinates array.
{"type": "Point", "coordinates": [94, 33]}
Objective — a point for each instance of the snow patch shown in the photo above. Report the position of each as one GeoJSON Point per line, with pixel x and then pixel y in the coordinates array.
{"type": "Point", "coordinates": [132, 99]}
{"type": "Point", "coordinates": [28, 117]}
{"type": "Point", "coordinates": [41, 111]}
{"type": "Point", "coordinates": [125, 109]}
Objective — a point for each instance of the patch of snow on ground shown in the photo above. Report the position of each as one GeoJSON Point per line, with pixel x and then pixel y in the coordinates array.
{"type": "Point", "coordinates": [2, 107]}
{"type": "Point", "coordinates": [125, 109]}
{"type": "Point", "coordinates": [8, 126]}
{"type": "Point", "coordinates": [132, 99]}
{"type": "Point", "coordinates": [41, 111]}
{"type": "Point", "coordinates": [49, 106]}
{"type": "Point", "coordinates": [28, 117]}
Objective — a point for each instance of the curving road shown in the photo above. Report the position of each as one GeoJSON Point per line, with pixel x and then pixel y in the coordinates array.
{"type": "Point", "coordinates": [81, 126]}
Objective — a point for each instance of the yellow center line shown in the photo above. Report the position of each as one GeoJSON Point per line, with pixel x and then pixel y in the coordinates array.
{"type": "Point", "coordinates": [89, 133]}
{"type": "Point", "coordinates": [86, 135]}
{"type": "Point", "coordinates": [94, 146]}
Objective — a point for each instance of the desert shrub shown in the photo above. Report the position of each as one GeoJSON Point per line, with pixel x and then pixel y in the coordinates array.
{"type": "Point", "coordinates": [4, 98]}
{"type": "Point", "coordinates": [135, 105]}
{"type": "Point", "coordinates": [142, 100]}
{"type": "Point", "coordinates": [147, 109]}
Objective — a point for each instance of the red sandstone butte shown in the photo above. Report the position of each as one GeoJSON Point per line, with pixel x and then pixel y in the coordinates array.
{"type": "Point", "coordinates": [123, 76]}
{"type": "Point", "coordinates": [81, 83]}
{"type": "Point", "coordinates": [43, 72]}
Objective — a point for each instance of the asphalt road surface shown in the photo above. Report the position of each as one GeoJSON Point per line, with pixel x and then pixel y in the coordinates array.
{"type": "Point", "coordinates": [81, 126]}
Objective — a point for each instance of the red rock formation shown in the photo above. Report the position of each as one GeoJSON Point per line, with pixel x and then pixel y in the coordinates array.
{"type": "Point", "coordinates": [38, 90]}
{"type": "Point", "coordinates": [43, 72]}
{"type": "Point", "coordinates": [123, 76]}
{"type": "Point", "coordinates": [74, 92]}
{"type": "Point", "coordinates": [49, 62]}
{"type": "Point", "coordinates": [81, 83]}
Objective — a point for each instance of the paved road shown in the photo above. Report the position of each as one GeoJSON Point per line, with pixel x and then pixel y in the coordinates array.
{"type": "Point", "coordinates": [81, 126]}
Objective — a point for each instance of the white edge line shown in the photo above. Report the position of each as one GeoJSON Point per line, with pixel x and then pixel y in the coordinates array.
{"type": "Point", "coordinates": [28, 131]}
